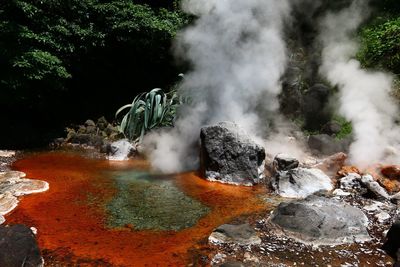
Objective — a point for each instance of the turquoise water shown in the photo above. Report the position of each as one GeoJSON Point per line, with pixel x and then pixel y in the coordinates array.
{"type": "Point", "coordinates": [151, 202]}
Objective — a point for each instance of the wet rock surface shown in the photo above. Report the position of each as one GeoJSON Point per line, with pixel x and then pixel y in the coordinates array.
{"type": "Point", "coordinates": [121, 150]}
{"type": "Point", "coordinates": [301, 182]}
{"type": "Point", "coordinates": [12, 185]}
{"type": "Point", "coordinates": [228, 155]}
{"type": "Point", "coordinates": [242, 234]}
{"type": "Point", "coordinates": [321, 220]}
{"type": "Point", "coordinates": [18, 247]}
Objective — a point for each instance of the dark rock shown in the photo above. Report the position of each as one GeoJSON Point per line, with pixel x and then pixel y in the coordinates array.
{"type": "Point", "coordinates": [331, 128]}
{"type": "Point", "coordinates": [301, 182]}
{"type": "Point", "coordinates": [102, 123]}
{"type": "Point", "coordinates": [81, 129]}
{"type": "Point", "coordinates": [111, 130]}
{"type": "Point", "coordinates": [242, 234]}
{"type": "Point", "coordinates": [91, 130]}
{"type": "Point", "coordinates": [90, 123]}
{"type": "Point", "coordinates": [327, 145]}
{"type": "Point", "coordinates": [284, 162]}
{"type": "Point", "coordinates": [321, 220]}
{"type": "Point", "coordinates": [228, 155]}
{"type": "Point", "coordinates": [87, 139]}
{"type": "Point", "coordinates": [18, 247]}
{"type": "Point", "coordinates": [392, 244]}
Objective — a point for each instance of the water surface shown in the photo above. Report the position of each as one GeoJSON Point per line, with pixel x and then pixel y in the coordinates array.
{"type": "Point", "coordinates": [101, 213]}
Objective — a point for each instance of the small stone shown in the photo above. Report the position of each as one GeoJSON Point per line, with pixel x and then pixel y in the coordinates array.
{"type": "Point", "coordinates": [90, 123]}
{"type": "Point", "coordinates": [34, 230]}
{"type": "Point", "coordinates": [346, 170]}
{"type": "Point", "coordinates": [374, 187]}
{"type": "Point", "coordinates": [242, 234]}
{"type": "Point", "coordinates": [340, 193]}
{"type": "Point", "coordinates": [91, 130]}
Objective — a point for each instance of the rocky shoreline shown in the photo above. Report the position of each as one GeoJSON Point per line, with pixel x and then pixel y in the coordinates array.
{"type": "Point", "coordinates": [18, 244]}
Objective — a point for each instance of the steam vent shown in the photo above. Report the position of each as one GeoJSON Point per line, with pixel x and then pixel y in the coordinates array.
{"type": "Point", "coordinates": [228, 155]}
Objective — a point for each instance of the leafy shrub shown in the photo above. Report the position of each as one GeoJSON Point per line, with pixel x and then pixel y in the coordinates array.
{"type": "Point", "coordinates": [148, 111]}
{"type": "Point", "coordinates": [346, 127]}
{"type": "Point", "coordinates": [381, 44]}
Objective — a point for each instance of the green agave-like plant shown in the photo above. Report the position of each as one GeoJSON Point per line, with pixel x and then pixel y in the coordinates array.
{"type": "Point", "coordinates": [148, 111]}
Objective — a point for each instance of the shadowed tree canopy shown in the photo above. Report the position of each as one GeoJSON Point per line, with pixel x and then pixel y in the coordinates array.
{"type": "Point", "coordinates": [66, 60]}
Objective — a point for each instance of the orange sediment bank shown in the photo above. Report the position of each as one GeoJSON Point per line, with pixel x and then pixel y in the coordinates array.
{"type": "Point", "coordinates": [71, 217]}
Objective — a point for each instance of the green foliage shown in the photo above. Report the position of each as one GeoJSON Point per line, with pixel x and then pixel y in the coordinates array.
{"type": "Point", "coordinates": [381, 44]}
{"type": "Point", "coordinates": [148, 111]}
{"type": "Point", "coordinates": [50, 45]}
{"type": "Point", "coordinates": [346, 127]}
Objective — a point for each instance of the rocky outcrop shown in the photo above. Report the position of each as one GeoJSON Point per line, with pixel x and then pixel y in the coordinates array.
{"type": "Point", "coordinates": [242, 234]}
{"type": "Point", "coordinates": [228, 155]}
{"type": "Point", "coordinates": [321, 221]}
{"type": "Point", "coordinates": [12, 185]}
{"type": "Point", "coordinates": [301, 182]}
{"type": "Point", "coordinates": [91, 134]}
{"type": "Point", "coordinates": [18, 247]}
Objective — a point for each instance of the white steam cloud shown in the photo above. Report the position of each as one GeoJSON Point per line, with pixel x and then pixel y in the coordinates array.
{"type": "Point", "coordinates": [238, 55]}
{"type": "Point", "coordinates": [364, 95]}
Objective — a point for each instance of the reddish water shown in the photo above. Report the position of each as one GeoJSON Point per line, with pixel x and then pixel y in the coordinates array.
{"type": "Point", "coordinates": [71, 229]}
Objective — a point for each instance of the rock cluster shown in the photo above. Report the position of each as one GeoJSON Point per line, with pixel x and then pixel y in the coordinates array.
{"type": "Point", "coordinates": [12, 185]}
{"type": "Point", "coordinates": [228, 155]}
{"type": "Point", "coordinates": [97, 135]}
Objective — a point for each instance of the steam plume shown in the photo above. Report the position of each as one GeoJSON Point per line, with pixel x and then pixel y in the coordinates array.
{"type": "Point", "coordinates": [364, 95]}
{"type": "Point", "coordinates": [238, 56]}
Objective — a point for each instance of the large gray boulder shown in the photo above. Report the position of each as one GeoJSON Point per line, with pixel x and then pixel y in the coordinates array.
{"type": "Point", "coordinates": [18, 247]}
{"type": "Point", "coordinates": [321, 221]}
{"type": "Point", "coordinates": [228, 155]}
{"type": "Point", "coordinates": [301, 182]}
